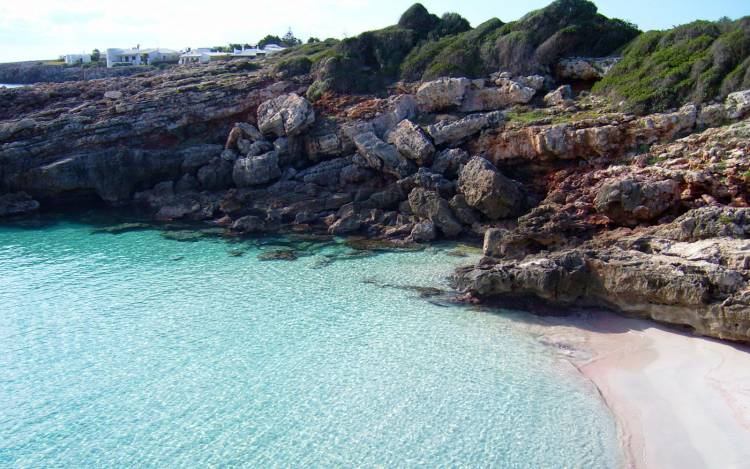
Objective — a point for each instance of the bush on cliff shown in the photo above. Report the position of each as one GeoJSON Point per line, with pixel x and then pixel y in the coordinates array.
{"type": "Point", "coordinates": [698, 62]}
{"type": "Point", "coordinates": [424, 46]}
{"type": "Point", "coordinates": [565, 28]}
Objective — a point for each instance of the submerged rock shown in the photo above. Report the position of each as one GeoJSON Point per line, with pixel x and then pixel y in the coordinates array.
{"type": "Point", "coordinates": [279, 255]}
{"type": "Point", "coordinates": [17, 204]}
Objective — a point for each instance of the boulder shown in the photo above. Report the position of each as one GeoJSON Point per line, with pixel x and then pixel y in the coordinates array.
{"type": "Point", "coordinates": [492, 246]}
{"type": "Point", "coordinates": [354, 174]}
{"type": "Point", "coordinates": [288, 114]}
{"type": "Point", "coordinates": [491, 99]}
{"type": "Point", "coordinates": [249, 224]}
{"type": "Point", "coordinates": [412, 142]}
{"type": "Point", "coordinates": [488, 190]}
{"type": "Point", "coordinates": [197, 156]}
{"type": "Point", "coordinates": [326, 173]}
{"type": "Point", "coordinates": [426, 179]}
{"type": "Point", "coordinates": [443, 93]}
{"type": "Point", "coordinates": [456, 130]}
{"type": "Point", "coordinates": [535, 82]}
{"type": "Point", "coordinates": [465, 214]}
{"type": "Point", "coordinates": [630, 201]}
{"type": "Point", "coordinates": [17, 204]}
{"type": "Point", "coordinates": [448, 162]}
{"type": "Point", "coordinates": [585, 68]}
{"type": "Point", "coordinates": [400, 107]}
{"type": "Point", "coordinates": [249, 131]}
{"type": "Point", "coordinates": [738, 104]}
{"type": "Point", "coordinates": [429, 205]}
{"type": "Point", "coordinates": [216, 175]}
{"type": "Point", "coordinates": [559, 97]}
{"type": "Point", "coordinates": [348, 220]}
{"type": "Point", "coordinates": [423, 232]}
{"type": "Point", "coordinates": [256, 170]}
{"type": "Point", "coordinates": [382, 156]}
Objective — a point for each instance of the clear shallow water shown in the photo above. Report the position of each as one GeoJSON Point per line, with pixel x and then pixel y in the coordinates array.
{"type": "Point", "coordinates": [133, 350]}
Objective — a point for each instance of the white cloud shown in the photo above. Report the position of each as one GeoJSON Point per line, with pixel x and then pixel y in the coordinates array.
{"type": "Point", "coordinates": [40, 29]}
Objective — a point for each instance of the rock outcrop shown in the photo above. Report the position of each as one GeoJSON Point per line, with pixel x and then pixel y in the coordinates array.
{"type": "Point", "coordinates": [702, 284]}
{"type": "Point", "coordinates": [286, 115]}
{"type": "Point", "coordinates": [487, 190]}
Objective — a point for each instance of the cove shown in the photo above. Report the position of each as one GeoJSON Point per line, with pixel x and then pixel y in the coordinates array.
{"type": "Point", "coordinates": [153, 347]}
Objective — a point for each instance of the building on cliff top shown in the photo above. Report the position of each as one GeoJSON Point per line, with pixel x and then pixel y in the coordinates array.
{"type": "Point", "coordinates": [203, 55]}
{"type": "Point", "coordinates": [75, 59]}
{"type": "Point", "coordinates": [137, 56]}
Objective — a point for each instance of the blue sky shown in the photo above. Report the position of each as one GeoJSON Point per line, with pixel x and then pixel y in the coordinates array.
{"type": "Point", "coordinates": [40, 29]}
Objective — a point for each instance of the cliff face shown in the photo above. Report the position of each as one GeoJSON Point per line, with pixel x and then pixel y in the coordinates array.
{"type": "Point", "coordinates": [111, 137]}
{"type": "Point", "coordinates": [577, 203]}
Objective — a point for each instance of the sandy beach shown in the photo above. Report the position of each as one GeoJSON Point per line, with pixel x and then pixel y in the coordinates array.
{"type": "Point", "coordinates": [680, 401]}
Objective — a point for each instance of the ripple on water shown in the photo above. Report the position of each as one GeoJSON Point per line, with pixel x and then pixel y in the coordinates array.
{"type": "Point", "coordinates": [114, 354]}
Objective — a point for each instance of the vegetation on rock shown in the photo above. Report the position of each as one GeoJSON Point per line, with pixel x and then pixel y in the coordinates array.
{"type": "Point", "coordinates": [699, 62]}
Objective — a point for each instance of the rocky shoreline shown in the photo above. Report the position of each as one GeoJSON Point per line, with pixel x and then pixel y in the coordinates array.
{"type": "Point", "coordinates": [577, 203]}
{"type": "Point", "coordinates": [28, 73]}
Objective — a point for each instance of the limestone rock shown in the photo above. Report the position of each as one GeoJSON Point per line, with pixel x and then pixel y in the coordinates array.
{"type": "Point", "coordinates": [465, 213]}
{"type": "Point", "coordinates": [448, 162]}
{"type": "Point", "coordinates": [560, 96]}
{"type": "Point", "coordinates": [443, 93]}
{"type": "Point", "coordinates": [492, 242]}
{"type": "Point", "coordinates": [400, 107]}
{"type": "Point", "coordinates": [491, 99]}
{"type": "Point", "coordinates": [348, 221]}
{"type": "Point", "coordinates": [701, 284]}
{"type": "Point", "coordinates": [628, 200]}
{"type": "Point", "coordinates": [585, 68]}
{"type": "Point", "coordinates": [216, 175]}
{"type": "Point", "coordinates": [412, 142]}
{"type": "Point", "coordinates": [256, 170]}
{"type": "Point", "coordinates": [287, 114]}
{"type": "Point", "coordinates": [429, 180]}
{"type": "Point", "coordinates": [382, 156]}
{"type": "Point", "coordinates": [423, 232]}
{"type": "Point", "coordinates": [17, 204]}
{"type": "Point", "coordinates": [457, 130]}
{"type": "Point", "coordinates": [249, 224]}
{"type": "Point", "coordinates": [488, 190]}
{"type": "Point", "coordinates": [738, 104]}
{"type": "Point", "coordinates": [429, 205]}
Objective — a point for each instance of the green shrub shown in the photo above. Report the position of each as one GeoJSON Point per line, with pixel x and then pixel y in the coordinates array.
{"type": "Point", "coordinates": [293, 66]}
{"type": "Point", "coordinates": [698, 62]}
{"type": "Point", "coordinates": [419, 20]}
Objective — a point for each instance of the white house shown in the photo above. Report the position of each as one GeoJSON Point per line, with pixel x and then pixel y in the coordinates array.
{"type": "Point", "coordinates": [138, 56]}
{"type": "Point", "coordinates": [73, 59]}
{"type": "Point", "coordinates": [272, 49]}
{"type": "Point", "coordinates": [201, 55]}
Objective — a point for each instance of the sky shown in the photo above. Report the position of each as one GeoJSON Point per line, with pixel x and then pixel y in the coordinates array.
{"type": "Point", "coordinates": [46, 29]}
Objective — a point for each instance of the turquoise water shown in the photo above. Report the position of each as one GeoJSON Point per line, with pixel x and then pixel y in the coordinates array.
{"type": "Point", "coordinates": [10, 85]}
{"type": "Point", "coordinates": [135, 350]}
